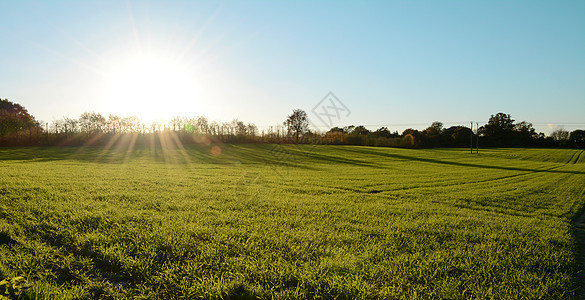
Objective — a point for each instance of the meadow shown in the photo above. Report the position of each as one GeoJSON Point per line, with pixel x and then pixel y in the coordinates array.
{"type": "Point", "coordinates": [290, 222]}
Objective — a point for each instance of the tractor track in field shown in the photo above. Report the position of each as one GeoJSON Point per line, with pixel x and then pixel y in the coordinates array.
{"type": "Point", "coordinates": [575, 160]}
{"type": "Point", "coordinates": [469, 182]}
{"type": "Point", "coordinates": [377, 191]}
{"type": "Point", "coordinates": [571, 159]}
{"type": "Point", "coordinates": [578, 157]}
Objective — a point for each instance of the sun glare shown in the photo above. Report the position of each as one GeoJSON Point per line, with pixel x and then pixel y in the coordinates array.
{"type": "Point", "coordinates": [151, 88]}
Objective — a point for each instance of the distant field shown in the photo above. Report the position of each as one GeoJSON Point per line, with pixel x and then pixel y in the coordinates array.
{"type": "Point", "coordinates": [249, 221]}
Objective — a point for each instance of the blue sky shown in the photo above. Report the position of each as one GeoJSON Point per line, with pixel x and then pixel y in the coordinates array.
{"type": "Point", "coordinates": [394, 63]}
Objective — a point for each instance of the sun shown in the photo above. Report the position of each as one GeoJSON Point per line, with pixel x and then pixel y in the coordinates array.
{"type": "Point", "coordinates": [152, 88]}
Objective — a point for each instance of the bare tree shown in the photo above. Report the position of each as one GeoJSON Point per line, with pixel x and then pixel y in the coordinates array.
{"type": "Point", "coordinates": [560, 135]}
{"type": "Point", "coordinates": [113, 125]}
{"type": "Point", "coordinates": [240, 127]}
{"type": "Point", "coordinates": [131, 124]}
{"type": "Point", "coordinates": [203, 125]}
{"type": "Point", "coordinates": [57, 126]}
{"type": "Point", "coordinates": [214, 128]}
{"type": "Point", "coordinates": [91, 122]}
{"type": "Point", "coordinates": [71, 125]}
{"type": "Point", "coordinates": [297, 123]}
{"type": "Point", "coordinates": [177, 123]}
{"type": "Point", "coordinates": [251, 129]}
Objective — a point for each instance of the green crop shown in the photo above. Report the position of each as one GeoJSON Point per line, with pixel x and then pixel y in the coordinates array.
{"type": "Point", "coordinates": [286, 221]}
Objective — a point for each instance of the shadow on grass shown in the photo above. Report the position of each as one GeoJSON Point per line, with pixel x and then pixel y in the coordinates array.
{"type": "Point", "coordinates": [364, 150]}
{"type": "Point", "coordinates": [37, 153]}
{"type": "Point", "coordinates": [303, 156]}
{"type": "Point", "coordinates": [283, 156]}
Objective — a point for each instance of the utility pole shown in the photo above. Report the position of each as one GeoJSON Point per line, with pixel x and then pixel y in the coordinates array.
{"type": "Point", "coordinates": [471, 143]}
{"type": "Point", "coordinates": [477, 135]}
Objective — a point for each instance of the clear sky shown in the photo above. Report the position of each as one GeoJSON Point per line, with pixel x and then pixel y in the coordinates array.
{"type": "Point", "coordinates": [394, 63]}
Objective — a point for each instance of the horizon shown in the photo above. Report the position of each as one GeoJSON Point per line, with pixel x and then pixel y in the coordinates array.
{"type": "Point", "coordinates": [313, 124]}
{"type": "Point", "coordinates": [391, 64]}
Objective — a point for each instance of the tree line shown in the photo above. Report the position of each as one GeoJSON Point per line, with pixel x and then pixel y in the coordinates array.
{"type": "Point", "coordinates": [489, 135]}
{"type": "Point", "coordinates": [19, 128]}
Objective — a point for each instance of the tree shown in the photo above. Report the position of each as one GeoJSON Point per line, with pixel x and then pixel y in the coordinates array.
{"type": "Point", "coordinates": [336, 129]}
{"type": "Point", "coordinates": [178, 123]}
{"type": "Point", "coordinates": [384, 132]}
{"type": "Point", "coordinates": [360, 130]}
{"type": "Point", "coordinates": [577, 139]}
{"type": "Point", "coordinates": [251, 129]}
{"type": "Point", "coordinates": [410, 137]}
{"type": "Point", "coordinates": [525, 132]}
{"type": "Point", "coordinates": [435, 129]}
{"type": "Point", "coordinates": [202, 125]}
{"type": "Point", "coordinates": [455, 136]}
{"type": "Point", "coordinates": [14, 118]}
{"type": "Point", "coordinates": [499, 130]}
{"type": "Point", "coordinates": [498, 125]}
{"type": "Point", "coordinates": [560, 136]}
{"type": "Point", "coordinates": [130, 124]}
{"type": "Point", "coordinates": [92, 123]}
{"type": "Point", "coordinates": [240, 127]}
{"type": "Point", "coordinates": [70, 125]}
{"type": "Point", "coordinates": [413, 132]}
{"type": "Point", "coordinates": [114, 124]}
{"type": "Point", "coordinates": [348, 129]}
{"type": "Point", "coordinates": [214, 128]}
{"type": "Point", "coordinates": [430, 136]}
{"type": "Point", "coordinates": [297, 123]}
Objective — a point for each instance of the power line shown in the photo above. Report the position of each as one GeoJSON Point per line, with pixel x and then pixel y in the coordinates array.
{"type": "Point", "coordinates": [375, 125]}
{"type": "Point", "coordinates": [462, 123]}
{"type": "Point", "coordinates": [556, 123]}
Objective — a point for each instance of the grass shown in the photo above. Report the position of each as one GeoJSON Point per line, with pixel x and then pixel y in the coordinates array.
{"type": "Point", "coordinates": [296, 222]}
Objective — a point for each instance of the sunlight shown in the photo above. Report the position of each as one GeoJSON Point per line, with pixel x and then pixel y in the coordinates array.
{"type": "Point", "coordinates": [152, 88]}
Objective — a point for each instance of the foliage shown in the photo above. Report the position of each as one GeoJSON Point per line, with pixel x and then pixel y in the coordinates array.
{"type": "Point", "coordinates": [577, 139]}
{"type": "Point", "coordinates": [94, 129]}
{"type": "Point", "coordinates": [14, 119]}
{"type": "Point", "coordinates": [297, 123]}
{"type": "Point", "coordinates": [561, 136]}
{"type": "Point", "coordinates": [435, 129]}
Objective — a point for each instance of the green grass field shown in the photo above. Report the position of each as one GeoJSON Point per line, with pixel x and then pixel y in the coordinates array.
{"type": "Point", "coordinates": [266, 221]}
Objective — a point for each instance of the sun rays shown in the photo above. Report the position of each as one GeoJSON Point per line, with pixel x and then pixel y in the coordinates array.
{"type": "Point", "coordinates": [165, 146]}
